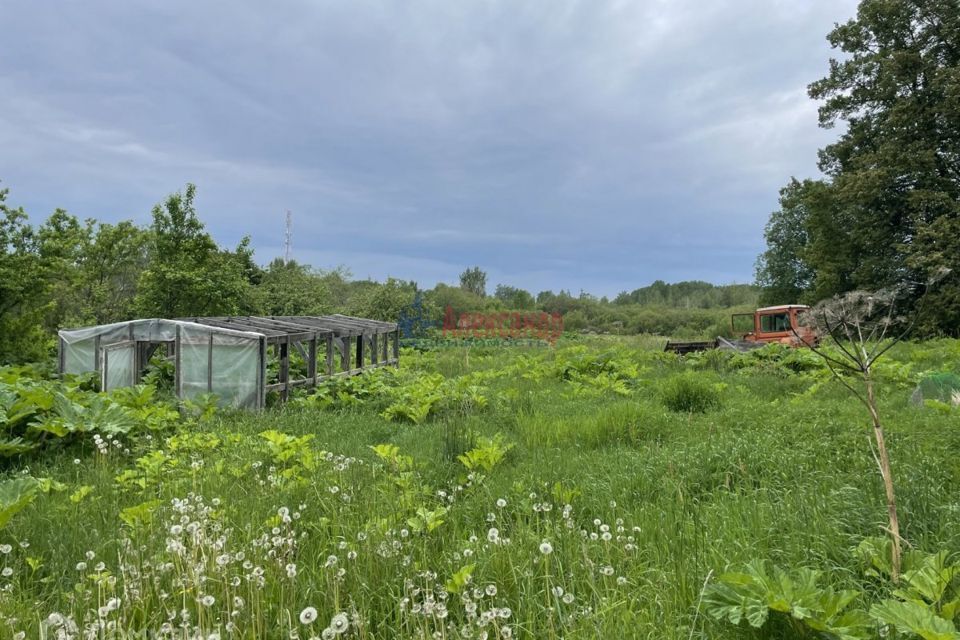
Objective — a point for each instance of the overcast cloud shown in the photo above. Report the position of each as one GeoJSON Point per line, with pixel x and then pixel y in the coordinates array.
{"type": "Point", "coordinates": [594, 145]}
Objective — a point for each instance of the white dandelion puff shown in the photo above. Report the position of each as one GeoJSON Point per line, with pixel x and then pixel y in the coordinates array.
{"type": "Point", "coordinates": [308, 615]}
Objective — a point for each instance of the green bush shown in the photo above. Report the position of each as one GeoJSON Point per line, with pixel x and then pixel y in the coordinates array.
{"type": "Point", "coordinates": [690, 394]}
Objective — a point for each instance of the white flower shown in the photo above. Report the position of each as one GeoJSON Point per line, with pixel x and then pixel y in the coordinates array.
{"type": "Point", "coordinates": [308, 616]}
{"type": "Point", "coordinates": [568, 598]}
{"type": "Point", "coordinates": [493, 535]}
{"type": "Point", "coordinates": [81, 566]}
{"type": "Point", "coordinates": [331, 561]}
{"type": "Point", "coordinates": [340, 623]}
{"type": "Point", "coordinates": [328, 634]}
{"type": "Point", "coordinates": [351, 555]}
{"type": "Point", "coordinates": [5, 549]}
{"type": "Point", "coordinates": [491, 590]}
{"type": "Point", "coordinates": [501, 503]}
{"type": "Point", "coordinates": [546, 548]}
{"type": "Point", "coordinates": [291, 570]}
{"type": "Point", "coordinates": [557, 591]}
{"type": "Point", "coordinates": [207, 600]}
{"type": "Point", "coordinates": [607, 570]}
{"type": "Point", "coordinates": [7, 572]}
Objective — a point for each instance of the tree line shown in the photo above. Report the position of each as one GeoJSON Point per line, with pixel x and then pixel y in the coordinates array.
{"type": "Point", "coordinates": [886, 212]}
{"type": "Point", "coordinates": [66, 272]}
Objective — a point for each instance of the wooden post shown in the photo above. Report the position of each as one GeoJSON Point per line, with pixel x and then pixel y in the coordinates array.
{"type": "Point", "coordinates": [360, 351]}
{"type": "Point", "coordinates": [285, 369]}
{"type": "Point", "coordinates": [396, 347]}
{"type": "Point", "coordinates": [262, 375]}
{"type": "Point", "coordinates": [374, 348]}
{"type": "Point", "coordinates": [329, 354]}
{"type": "Point", "coordinates": [312, 361]}
{"type": "Point", "coordinates": [345, 353]}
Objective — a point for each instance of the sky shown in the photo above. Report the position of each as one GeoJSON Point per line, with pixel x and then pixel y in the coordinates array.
{"type": "Point", "coordinates": [593, 145]}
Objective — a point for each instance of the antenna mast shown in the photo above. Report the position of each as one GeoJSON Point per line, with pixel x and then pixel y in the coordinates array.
{"type": "Point", "coordinates": [287, 249]}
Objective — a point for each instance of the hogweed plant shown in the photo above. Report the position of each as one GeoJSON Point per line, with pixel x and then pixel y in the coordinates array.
{"type": "Point", "coordinates": [862, 326]}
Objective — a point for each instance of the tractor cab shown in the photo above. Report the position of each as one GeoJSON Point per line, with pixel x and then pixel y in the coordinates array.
{"type": "Point", "coordinates": [774, 324]}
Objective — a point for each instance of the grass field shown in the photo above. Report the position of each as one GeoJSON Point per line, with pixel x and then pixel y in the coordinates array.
{"type": "Point", "coordinates": [590, 490]}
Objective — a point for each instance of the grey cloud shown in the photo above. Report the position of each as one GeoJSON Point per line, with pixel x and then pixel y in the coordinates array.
{"type": "Point", "coordinates": [596, 144]}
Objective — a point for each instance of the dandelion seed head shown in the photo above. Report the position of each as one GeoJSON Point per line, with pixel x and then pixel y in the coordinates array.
{"type": "Point", "coordinates": [340, 623]}
{"type": "Point", "coordinates": [308, 615]}
{"type": "Point", "coordinates": [546, 548]}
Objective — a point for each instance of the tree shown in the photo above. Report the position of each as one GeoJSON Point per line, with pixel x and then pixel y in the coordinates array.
{"type": "Point", "coordinates": [292, 289]}
{"type": "Point", "coordinates": [783, 270]}
{"type": "Point", "coordinates": [112, 263]}
{"type": "Point", "coordinates": [388, 301]}
{"type": "Point", "coordinates": [188, 274]}
{"type": "Point", "coordinates": [475, 281]}
{"type": "Point", "coordinates": [23, 287]}
{"type": "Point", "coordinates": [893, 175]}
{"type": "Point", "coordinates": [514, 298]}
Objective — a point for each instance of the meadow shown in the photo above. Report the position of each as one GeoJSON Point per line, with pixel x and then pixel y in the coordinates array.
{"type": "Point", "coordinates": [594, 489]}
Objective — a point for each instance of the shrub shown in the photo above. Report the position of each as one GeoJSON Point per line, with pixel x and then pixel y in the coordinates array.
{"type": "Point", "coordinates": [689, 393]}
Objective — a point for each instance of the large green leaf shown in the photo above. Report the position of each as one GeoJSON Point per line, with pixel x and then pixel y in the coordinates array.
{"type": "Point", "coordinates": [915, 618]}
{"type": "Point", "coordinates": [15, 495]}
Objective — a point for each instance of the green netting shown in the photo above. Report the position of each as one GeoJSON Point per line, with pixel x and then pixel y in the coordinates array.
{"type": "Point", "coordinates": [936, 386]}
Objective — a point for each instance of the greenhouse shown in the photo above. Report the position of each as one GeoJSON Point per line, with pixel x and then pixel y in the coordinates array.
{"type": "Point", "coordinates": [239, 358]}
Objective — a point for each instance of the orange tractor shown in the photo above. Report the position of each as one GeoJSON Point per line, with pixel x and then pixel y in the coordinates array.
{"type": "Point", "coordinates": [779, 324]}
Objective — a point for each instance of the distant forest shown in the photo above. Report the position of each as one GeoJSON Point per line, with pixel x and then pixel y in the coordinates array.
{"type": "Point", "coordinates": [65, 272]}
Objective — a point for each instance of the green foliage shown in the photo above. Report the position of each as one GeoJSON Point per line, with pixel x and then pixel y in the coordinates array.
{"type": "Point", "coordinates": [488, 453]}
{"type": "Point", "coordinates": [15, 495]}
{"type": "Point", "coordinates": [36, 412]}
{"type": "Point", "coordinates": [762, 589]}
{"type": "Point", "coordinates": [474, 281]}
{"type": "Point", "coordinates": [889, 206]}
{"type": "Point", "coordinates": [292, 289]}
{"type": "Point", "coordinates": [926, 602]}
{"type": "Point", "coordinates": [689, 393]}
{"type": "Point", "coordinates": [188, 274]}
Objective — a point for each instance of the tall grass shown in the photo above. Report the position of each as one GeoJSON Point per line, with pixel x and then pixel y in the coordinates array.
{"type": "Point", "coordinates": [604, 518]}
